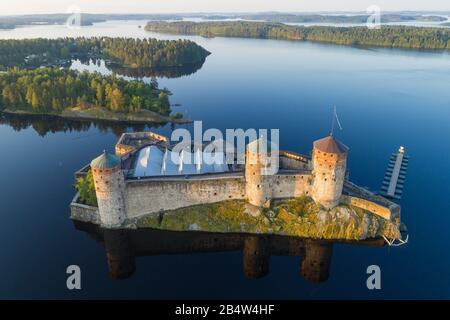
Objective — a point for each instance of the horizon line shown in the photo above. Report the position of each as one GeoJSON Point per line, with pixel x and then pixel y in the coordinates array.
{"type": "Point", "coordinates": [230, 12]}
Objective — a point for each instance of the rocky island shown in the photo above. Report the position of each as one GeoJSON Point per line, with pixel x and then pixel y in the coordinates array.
{"type": "Point", "coordinates": [309, 197]}
{"type": "Point", "coordinates": [83, 95]}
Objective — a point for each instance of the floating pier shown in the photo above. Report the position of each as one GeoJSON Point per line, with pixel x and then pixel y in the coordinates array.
{"type": "Point", "coordinates": [395, 176]}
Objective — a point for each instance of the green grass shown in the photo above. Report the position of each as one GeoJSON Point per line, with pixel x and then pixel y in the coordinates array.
{"type": "Point", "coordinates": [295, 217]}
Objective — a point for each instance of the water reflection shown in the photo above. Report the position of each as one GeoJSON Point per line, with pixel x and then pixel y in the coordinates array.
{"type": "Point", "coordinates": [160, 72]}
{"type": "Point", "coordinates": [107, 67]}
{"type": "Point", "coordinates": [44, 124]}
{"type": "Point", "coordinates": [122, 246]}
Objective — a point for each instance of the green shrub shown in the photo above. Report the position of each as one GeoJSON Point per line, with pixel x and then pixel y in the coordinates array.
{"type": "Point", "coordinates": [86, 189]}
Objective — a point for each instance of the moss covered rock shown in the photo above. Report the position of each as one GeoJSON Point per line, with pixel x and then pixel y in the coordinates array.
{"type": "Point", "coordinates": [300, 217]}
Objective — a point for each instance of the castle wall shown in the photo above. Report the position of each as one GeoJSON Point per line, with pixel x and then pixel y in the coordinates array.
{"type": "Point", "coordinates": [82, 212]}
{"type": "Point", "coordinates": [370, 206]}
{"type": "Point", "coordinates": [151, 196]}
{"type": "Point", "coordinates": [290, 163]}
{"type": "Point", "coordinates": [123, 149]}
{"type": "Point", "coordinates": [291, 185]}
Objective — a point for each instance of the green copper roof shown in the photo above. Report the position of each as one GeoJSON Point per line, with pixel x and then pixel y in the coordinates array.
{"type": "Point", "coordinates": [105, 161]}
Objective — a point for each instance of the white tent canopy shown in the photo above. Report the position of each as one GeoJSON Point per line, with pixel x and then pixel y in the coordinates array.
{"type": "Point", "coordinates": [152, 161]}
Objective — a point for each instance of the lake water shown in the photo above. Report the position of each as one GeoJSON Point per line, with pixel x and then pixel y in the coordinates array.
{"type": "Point", "coordinates": [385, 98]}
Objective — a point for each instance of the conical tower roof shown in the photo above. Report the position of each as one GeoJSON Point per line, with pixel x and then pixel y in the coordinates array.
{"type": "Point", "coordinates": [330, 145]}
{"type": "Point", "coordinates": [105, 161]}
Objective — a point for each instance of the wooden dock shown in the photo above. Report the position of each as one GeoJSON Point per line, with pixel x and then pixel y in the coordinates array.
{"type": "Point", "coordinates": [395, 176]}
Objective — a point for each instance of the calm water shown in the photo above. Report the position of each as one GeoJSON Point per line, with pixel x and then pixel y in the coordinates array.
{"type": "Point", "coordinates": [385, 98]}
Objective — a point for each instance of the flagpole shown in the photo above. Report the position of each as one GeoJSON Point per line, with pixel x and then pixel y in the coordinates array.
{"type": "Point", "coordinates": [333, 120]}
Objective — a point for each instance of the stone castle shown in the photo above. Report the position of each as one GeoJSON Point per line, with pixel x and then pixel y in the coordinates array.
{"type": "Point", "coordinates": [136, 181]}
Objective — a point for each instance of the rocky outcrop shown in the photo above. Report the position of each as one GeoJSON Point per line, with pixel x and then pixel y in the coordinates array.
{"type": "Point", "coordinates": [300, 217]}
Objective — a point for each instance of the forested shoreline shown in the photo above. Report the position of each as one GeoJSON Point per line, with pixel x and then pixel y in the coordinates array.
{"type": "Point", "coordinates": [387, 36]}
{"type": "Point", "coordinates": [326, 18]}
{"type": "Point", "coordinates": [52, 90]}
{"type": "Point", "coordinates": [35, 78]}
{"type": "Point", "coordinates": [126, 52]}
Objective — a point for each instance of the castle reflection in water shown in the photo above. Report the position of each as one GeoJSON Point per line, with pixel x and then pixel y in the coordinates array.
{"type": "Point", "coordinates": [123, 246]}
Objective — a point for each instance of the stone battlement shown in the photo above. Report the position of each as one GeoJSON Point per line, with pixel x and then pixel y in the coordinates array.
{"type": "Point", "coordinates": [132, 141]}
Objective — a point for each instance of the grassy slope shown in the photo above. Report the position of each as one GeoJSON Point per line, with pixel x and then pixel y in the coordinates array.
{"type": "Point", "coordinates": [295, 217]}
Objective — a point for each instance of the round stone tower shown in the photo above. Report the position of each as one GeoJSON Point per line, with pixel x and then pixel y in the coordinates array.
{"type": "Point", "coordinates": [109, 187]}
{"type": "Point", "coordinates": [329, 167]}
{"type": "Point", "coordinates": [258, 185]}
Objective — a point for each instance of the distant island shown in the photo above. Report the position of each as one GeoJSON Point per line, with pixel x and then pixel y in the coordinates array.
{"type": "Point", "coordinates": [387, 36]}
{"type": "Point", "coordinates": [326, 18]}
{"type": "Point", "coordinates": [122, 52]}
{"type": "Point", "coordinates": [83, 95]}
{"type": "Point", "coordinates": [87, 19]}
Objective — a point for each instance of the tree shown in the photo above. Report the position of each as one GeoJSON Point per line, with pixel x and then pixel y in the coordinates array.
{"type": "Point", "coordinates": [34, 100]}
{"type": "Point", "coordinates": [56, 104]}
{"type": "Point", "coordinates": [136, 103]}
{"type": "Point", "coordinates": [99, 94]}
{"type": "Point", "coordinates": [116, 100]}
{"type": "Point", "coordinates": [8, 95]}
{"type": "Point", "coordinates": [86, 188]}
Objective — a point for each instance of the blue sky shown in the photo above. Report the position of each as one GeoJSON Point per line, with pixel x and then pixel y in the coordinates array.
{"type": "Point", "coordinates": [8, 7]}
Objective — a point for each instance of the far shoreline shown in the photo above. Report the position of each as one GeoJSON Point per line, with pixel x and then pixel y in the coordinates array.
{"type": "Point", "coordinates": [151, 117]}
